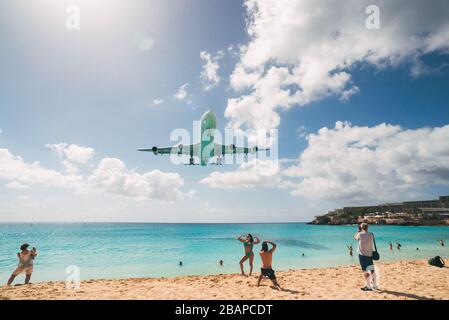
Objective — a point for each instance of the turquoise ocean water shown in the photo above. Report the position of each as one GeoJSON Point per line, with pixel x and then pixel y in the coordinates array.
{"type": "Point", "coordinates": [110, 250]}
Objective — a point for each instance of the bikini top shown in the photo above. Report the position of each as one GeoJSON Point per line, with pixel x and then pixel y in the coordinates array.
{"type": "Point", "coordinates": [246, 244]}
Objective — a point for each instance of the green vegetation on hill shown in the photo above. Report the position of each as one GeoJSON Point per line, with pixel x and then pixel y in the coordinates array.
{"type": "Point", "coordinates": [428, 212]}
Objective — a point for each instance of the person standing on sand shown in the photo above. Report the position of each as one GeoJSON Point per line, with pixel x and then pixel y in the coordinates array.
{"type": "Point", "coordinates": [26, 258]}
{"type": "Point", "coordinates": [248, 244]}
{"type": "Point", "coordinates": [267, 270]}
{"type": "Point", "coordinates": [365, 250]}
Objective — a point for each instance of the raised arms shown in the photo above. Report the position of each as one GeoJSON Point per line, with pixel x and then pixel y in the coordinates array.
{"type": "Point", "coordinates": [273, 246]}
{"type": "Point", "coordinates": [240, 239]}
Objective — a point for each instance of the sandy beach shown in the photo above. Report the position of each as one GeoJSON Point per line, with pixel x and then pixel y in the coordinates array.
{"type": "Point", "coordinates": [402, 280]}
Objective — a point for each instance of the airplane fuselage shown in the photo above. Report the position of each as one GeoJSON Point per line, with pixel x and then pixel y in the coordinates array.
{"type": "Point", "coordinates": [208, 125]}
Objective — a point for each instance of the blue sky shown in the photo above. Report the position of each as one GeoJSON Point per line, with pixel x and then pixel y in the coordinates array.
{"type": "Point", "coordinates": [95, 87]}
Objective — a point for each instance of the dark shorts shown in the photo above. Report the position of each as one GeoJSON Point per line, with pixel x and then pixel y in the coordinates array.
{"type": "Point", "coordinates": [268, 273]}
{"type": "Point", "coordinates": [365, 262]}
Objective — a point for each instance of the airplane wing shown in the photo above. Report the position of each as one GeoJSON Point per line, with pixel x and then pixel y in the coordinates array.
{"type": "Point", "coordinates": [232, 149]}
{"type": "Point", "coordinates": [191, 149]}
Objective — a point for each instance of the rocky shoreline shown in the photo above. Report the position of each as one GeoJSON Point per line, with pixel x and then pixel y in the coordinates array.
{"type": "Point", "coordinates": [380, 219]}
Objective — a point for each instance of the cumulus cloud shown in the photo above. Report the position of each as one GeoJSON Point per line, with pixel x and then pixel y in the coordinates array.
{"type": "Point", "coordinates": [109, 176]}
{"type": "Point", "coordinates": [299, 53]}
{"type": "Point", "coordinates": [112, 176]}
{"type": "Point", "coordinates": [352, 163]}
{"type": "Point", "coordinates": [72, 152]}
{"type": "Point", "coordinates": [19, 172]}
{"type": "Point", "coordinates": [256, 173]}
{"type": "Point", "coordinates": [158, 101]}
{"type": "Point", "coordinates": [16, 185]}
{"type": "Point", "coordinates": [301, 132]}
{"type": "Point", "coordinates": [182, 93]}
{"type": "Point", "coordinates": [381, 162]}
{"type": "Point", "coordinates": [209, 74]}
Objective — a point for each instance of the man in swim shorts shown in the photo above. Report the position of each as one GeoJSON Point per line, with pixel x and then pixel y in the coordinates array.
{"type": "Point", "coordinates": [267, 270]}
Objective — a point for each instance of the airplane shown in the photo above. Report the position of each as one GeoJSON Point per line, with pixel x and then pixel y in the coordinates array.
{"type": "Point", "coordinates": [207, 148]}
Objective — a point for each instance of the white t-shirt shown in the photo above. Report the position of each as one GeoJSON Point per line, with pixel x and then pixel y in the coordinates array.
{"type": "Point", "coordinates": [365, 247]}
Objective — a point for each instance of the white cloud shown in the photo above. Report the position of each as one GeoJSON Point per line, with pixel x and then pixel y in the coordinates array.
{"type": "Point", "coordinates": [379, 163]}
{"type": "Point", "coordinates": [72, 152]}
{"type": "Point", "coordinates": [301, 132]}
{"type": "Point", "coordinates": [69, 167]}
{"type": "Point", "coordinates": [241, 80]}
{"type": "Point", "coordinates": [158, 101]}
{"type": "Point", "coordinates": [15, 169]}
{"type": "Point", "coordinates": [256, 173]}
{"type": "Point", "coordinates": [352, 164]}
{"type": "Point", "coordinates": [16, 185]}
{"type": "Point", "coordinates": [210, 68]}
{"type": "Point", "coordinates": [1, 131]}
{"type": "Point", "coordinates": [299, 53]}
{"type": "Point", "coordinates": [182, 93]}
{"type": "Point", "coordinates": [346, 94]}
{"type": "Point", "coordinates": [110, 176]}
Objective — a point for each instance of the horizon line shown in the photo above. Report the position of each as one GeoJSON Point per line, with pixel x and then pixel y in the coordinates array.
{"type": "Point", "coordinates": [143, 222]}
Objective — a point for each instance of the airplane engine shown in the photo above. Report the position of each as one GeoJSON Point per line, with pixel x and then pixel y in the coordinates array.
{"type": "Point", "coordinates": [154, 149]}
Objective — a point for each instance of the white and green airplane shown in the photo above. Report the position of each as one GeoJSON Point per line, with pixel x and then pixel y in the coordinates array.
{"type": "Point", "coordinates": [207, 148]}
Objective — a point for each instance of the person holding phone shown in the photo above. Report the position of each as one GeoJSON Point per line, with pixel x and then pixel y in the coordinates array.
{"type": "Point", "coordinates": [365, 249]}
{"type": "Point", "coordinates": [26, 259]}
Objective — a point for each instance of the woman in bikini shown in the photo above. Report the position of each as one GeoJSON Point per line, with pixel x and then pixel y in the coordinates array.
{"type": "Point", "coordinates": [248, 244]}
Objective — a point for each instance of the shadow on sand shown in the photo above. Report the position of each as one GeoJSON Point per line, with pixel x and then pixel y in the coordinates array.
{"type": "Point", "coordinates": [284, 289]}
{"type": "Point", "coordinates": [406, 295]}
